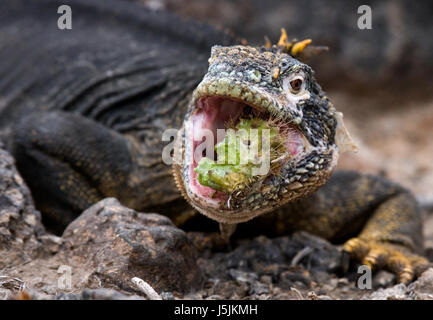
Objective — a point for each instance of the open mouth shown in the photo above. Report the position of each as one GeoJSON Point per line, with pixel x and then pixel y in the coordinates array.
{"type": "Point", "coordinates": [216, 112]}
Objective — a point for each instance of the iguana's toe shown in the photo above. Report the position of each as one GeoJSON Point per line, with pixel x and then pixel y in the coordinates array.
{"type": "Point", "coordinates": [405, 264]}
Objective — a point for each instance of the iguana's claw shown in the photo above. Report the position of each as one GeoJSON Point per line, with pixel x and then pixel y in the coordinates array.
{"type": "Point", "coordinates": [395, 258]}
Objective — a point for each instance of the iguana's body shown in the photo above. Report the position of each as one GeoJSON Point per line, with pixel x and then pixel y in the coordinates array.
{"type": "Point", "coordinates": [83, 112]}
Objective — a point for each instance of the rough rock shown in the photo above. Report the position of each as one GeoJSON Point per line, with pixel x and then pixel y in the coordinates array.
{"type": "Point", "coordinates": [288, 267]}
{"type": "Point", "coordinates": [421, 289]}
{"type": "Point", "coordinates": [20, 222]}
{"type": "Point", "coordinates": [97, 294]}
{"type": "Point", "coordinates": [116, 244]}
{"type": "Point", "coordinates": [383, 279]}
{"type": "Point", "coordinates": [86, 294]}
{"type": "Point", "coordinates": [264, 255]}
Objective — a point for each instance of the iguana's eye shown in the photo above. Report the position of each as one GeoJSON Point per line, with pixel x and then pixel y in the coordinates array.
{"type": "Point", "coordinates": [296, 85]}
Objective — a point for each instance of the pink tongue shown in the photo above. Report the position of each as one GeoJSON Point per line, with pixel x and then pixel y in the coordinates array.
{"type": "Point", "coordinates": [218, 111]}
{"type": "Point", "coordinates": [213, 114]}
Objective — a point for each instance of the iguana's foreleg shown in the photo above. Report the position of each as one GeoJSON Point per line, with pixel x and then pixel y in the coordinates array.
{"type": "Point", "coordinates": [391, 238]}
{"type": "Point", "coordinates": [69, 162]}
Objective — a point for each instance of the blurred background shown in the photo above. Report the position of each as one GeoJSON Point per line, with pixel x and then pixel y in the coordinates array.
{"type": "Point", "coordinates": [381, 79]}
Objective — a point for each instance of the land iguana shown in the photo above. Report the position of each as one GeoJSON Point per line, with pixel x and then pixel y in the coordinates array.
{"type": "Point", "coordinates": [83, 112]}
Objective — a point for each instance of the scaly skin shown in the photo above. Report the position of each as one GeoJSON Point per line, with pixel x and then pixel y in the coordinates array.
{"type": "Point", "coordinates": [84, 122]}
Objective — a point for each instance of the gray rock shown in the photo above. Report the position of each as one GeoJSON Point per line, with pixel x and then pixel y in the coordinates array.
{"type": "Point", "coordinates": [20, 222]}
{"type": "Point", "coordinates": [167, 295]}
{"type": "Point", "coordinates": [383, 279]}
{"type": "Point", "coordinates": [215, 297]}
{"type": "Point", "coordinates": [116, 244]}
{"type": "Point", "coordinates": [258, 288]}
{"type": "Point", "coordinates": [397, 292]}
{"type": "Point", "coordinates": [86, 294]}
{"type": "Point", "coordinates": [421, 289]}
{"type": "Point", "coordinates": [258, 268]}
{"type": "Point", "coordinates": [322, 256]}
{"type": "Point", "coordinates": [9, 286]}
{"type": "Point", "coordinates": [241, 276]}
{"type": "Point", "coordinates": [288, 278]}
{"type": "Point", "coordinates": [98, 294]}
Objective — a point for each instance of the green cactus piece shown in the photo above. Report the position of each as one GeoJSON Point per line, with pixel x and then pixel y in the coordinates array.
{"type": "Point", "coordinates": [238, 153]}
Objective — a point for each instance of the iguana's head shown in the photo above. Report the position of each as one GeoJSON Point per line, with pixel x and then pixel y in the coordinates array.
{"type": "Point", "coordinates": [267, 83]}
